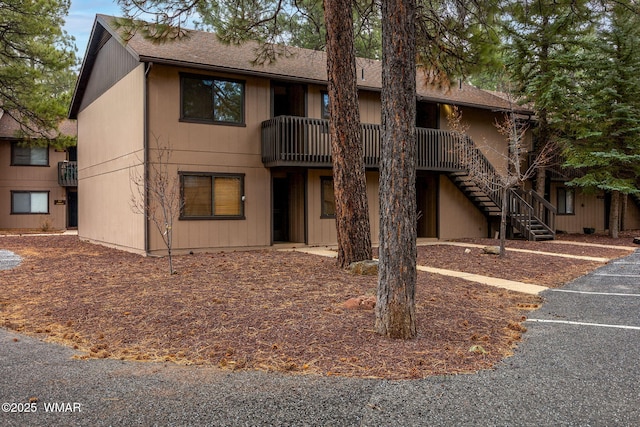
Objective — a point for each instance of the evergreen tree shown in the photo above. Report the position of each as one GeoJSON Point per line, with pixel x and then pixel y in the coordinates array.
{"type": "Point", "coordinates": [542, 42]}
{"type": "Point", "coordinates": [36, 60]}
{"type": "Point", "coordinates": [604, 135]}
{"type": "Point", "coordinates": [457, 38]}
{"type": "Point", "coordinates": [299, 23]}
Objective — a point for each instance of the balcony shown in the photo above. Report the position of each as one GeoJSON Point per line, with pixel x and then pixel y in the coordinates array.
{"type": "Point", "coordinates": [302, 141]}
{"type": "Point", "coordinates": [68, 174]}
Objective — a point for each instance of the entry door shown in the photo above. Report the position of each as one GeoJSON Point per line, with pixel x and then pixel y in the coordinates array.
{"type": "Point", "coordinates": [426, 202]}
{"type": "Point", "coordinates": [289, 207]}
{"type": "Point", "coordinates": [280, 209]}
{"type": "Point", "coordinates": [289, 99]}
{"type": "Point", "coordinates": [72, 208]}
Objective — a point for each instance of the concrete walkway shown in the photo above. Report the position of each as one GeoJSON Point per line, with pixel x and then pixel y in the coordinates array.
{"type": "Point", "coordinates": [491, 281]}
{"type": "Point", "coordinates": [555, 254]}
{"type": "Point", "coordinates": [511, 285]}
{"type": "Point", "coordinates": [73, 232]}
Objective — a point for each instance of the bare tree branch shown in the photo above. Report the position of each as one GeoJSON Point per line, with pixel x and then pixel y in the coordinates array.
{"type": "Point", "coordinates": [157, 195]}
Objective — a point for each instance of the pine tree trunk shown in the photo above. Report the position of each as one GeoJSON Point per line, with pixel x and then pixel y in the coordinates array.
{"type": "Point", "coordinates": [349, 179]}
{"type": "Point", "coordinates": [624, 204]}
{"type": "Point", "coordinates": [614, 214]}
{"type": "Point", "coordinates": [395, 307]}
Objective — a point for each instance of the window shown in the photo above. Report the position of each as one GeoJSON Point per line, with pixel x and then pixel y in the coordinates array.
{"type": "Point", "coordinates": [212, 196]}
{"type": "Point", "coordinates": [25, 155]}
{"type": "Point", "coordinates": [328, 198]}
{"type": "Point", "coordinates": [565, 201]}
{"type": "Point", "coordinates": [29, 202]}
{"type": "Point", "coordinates": [212, 100]}
{"type": "Point", "coordinates": [325, 105]}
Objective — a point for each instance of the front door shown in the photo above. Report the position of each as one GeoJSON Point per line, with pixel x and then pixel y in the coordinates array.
{"type": "Point", "coordinates": [289, 99]}
{"type": "Point", "coordinates": [281, 209]}
{"type": "Point", "coordinates": [426, 202]}
{"type": "Point", "coordinates": [72, 208]}
{"type": "Point", "coordinates": [289, 207]}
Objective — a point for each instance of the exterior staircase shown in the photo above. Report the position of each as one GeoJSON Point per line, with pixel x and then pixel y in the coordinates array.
{"type": "Point", "coordinates": [474, 192]}
{"type": "Point", "coordinates": [531, 216]}
{"type": "Point", "coordinates": [528, 214]}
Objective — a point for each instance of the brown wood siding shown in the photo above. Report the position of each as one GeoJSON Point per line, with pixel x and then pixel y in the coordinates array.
{"type": "Point", "coordinates": [322, 231]}
{"type": "Point", "coordinates": [215, 148]}
{"type": "Point", "coordinates": [110, 145]}
{"type": "Point", "coordinates": [589, 211]}
{"type": "Point", "coordinates": [112, 64]}
{"type": "Point", "coordinates": [483, 132]}
{"type": "Point", "coordinates": [31, 178]}
{"type": "Point", "coordinates": [458, 217]}
{"type": "Point", "coordinates": [632, 220]}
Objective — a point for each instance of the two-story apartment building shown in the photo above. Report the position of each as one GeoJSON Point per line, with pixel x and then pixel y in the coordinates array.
{"type": "Point", "coordinates": [250, 144]}
{"type": "Point", "coordinates": [38, 184]}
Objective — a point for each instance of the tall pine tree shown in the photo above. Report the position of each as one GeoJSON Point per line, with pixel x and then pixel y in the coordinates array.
{"type": "Point", "coordinates": [542, 41]}
{"type": "Point", "coordinates": [36, 60]}
{"type": "Point", "coordinates": [605, 130]}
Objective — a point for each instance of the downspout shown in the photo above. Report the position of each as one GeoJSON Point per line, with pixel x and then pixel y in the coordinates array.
{"type": "Point", "coordinates": [145, 141]}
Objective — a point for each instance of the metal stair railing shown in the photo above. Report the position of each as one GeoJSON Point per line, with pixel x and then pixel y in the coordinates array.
{"type": "Point", "coordinates": [524, 209]}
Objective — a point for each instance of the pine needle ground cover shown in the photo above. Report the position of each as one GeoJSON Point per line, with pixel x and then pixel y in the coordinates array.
{"type": "Point", "coordinates": [267, 310]}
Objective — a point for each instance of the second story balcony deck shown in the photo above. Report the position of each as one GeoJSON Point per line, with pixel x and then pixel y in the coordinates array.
{"type": "Point", "coordinates": [303, 141]}
{"type": "Point", "coordinates": [68, 174]}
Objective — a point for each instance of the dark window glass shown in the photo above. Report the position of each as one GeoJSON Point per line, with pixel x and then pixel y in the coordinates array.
{"type": "Point", "coordinates": [22, 155]}
{"type": "Point", "coordinates": [212, 100]}
{"type": "Point", "coordinates": [325, 105]}
{"type": "Point", "coordinates": [565, 200]}
{"type": "Point", "coordinates": [29, 202]}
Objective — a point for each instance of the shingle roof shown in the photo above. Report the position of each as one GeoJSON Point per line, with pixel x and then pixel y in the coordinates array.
{"type": "Point", "coordinates": [9, 127]}
{"type": "Point", "coordinates": [203, 50]}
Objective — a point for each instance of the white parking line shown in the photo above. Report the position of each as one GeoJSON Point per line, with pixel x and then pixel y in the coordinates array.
{"type": "Point", "coordinates": [616, 275]}
{"type": "Point", "coordinates": [595, 293]}
{"type": "Point", "coordinates": [569, 322]}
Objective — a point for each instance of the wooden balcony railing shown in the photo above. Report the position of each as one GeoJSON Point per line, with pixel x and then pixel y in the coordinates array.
{"type": "Point", "coordinates": [302, 141]}
{"type": "Point", "coordinates": [68, 174]}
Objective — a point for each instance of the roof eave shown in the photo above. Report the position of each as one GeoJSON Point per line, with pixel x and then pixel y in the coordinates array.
{"type": "Point", "coordinates": [243, 71]}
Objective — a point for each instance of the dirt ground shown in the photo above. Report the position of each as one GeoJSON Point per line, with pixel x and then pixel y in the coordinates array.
{"type": "Point", "coordinates": [275, 310]}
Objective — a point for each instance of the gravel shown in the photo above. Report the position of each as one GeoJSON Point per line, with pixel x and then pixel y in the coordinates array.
{"type": "Point", "coordinates": [8, 260]}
